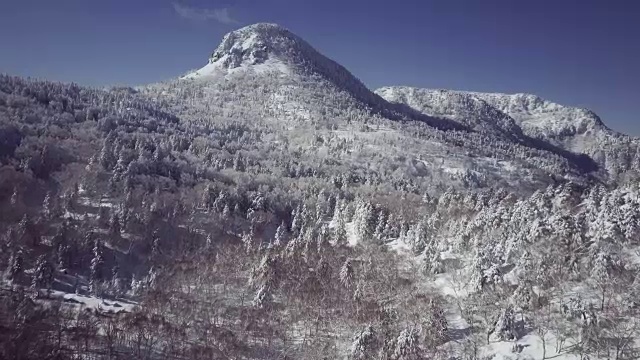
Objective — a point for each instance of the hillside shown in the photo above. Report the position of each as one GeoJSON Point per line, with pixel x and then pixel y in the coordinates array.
{"type": "Point", "coordinates": [579, 131]}
{"type": "Point", "coordinates": [270, 206]}
{"type": "Point", "coordinates": [272, 80]}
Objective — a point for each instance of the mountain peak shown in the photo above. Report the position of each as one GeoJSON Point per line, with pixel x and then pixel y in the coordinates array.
{"type": "Point", "coordinates": [255, 44]}
{"type": "Point", "coordinates": [268, 48]}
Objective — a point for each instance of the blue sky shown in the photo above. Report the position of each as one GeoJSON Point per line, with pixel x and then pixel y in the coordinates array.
{"type": "Point", "coordinates": [583, 53]}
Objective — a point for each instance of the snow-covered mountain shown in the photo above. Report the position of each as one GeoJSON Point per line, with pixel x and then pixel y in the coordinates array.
{"type": "Point", "coordinates": [273, 203]}
{"type": "Point", "coordinates": [576, 130]}
{"type": "Point", "coordinates": [468, 110]}
{"type": "Point", "coordinates": [266, 76]}
{"type": "Point", "coordinates": [270, 47]}
{"type": "Point", "coordinates": [273, 51]}
{"type": "Point", "coordinates": [515, 113]}
{"type": "Point", "coordinates": [542, 118]}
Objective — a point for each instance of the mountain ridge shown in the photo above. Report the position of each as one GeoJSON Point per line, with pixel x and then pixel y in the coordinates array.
{"type": "Point", "coordinates": [290, 81]}
{"type": "Point", "coordinates": [573, 129]}
{"type": "Point", "coordinates": [512, 104]}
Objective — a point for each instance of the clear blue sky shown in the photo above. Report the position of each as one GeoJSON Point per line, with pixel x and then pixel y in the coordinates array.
{"type": "Point", "coordinates": [579, 52]}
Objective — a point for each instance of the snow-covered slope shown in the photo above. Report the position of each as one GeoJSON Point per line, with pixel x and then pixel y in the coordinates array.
{"type": "Point", "coordinates": [575, 130]}
{"type": "Point", "coordinates": [543, 118]}
{"type": "Point", "coordinates": [515, 113]}
{"type": "Point", "coordinates": [266, 47]}
{"type": "Point", "coordinates": [464, 108]}
{"type": "Point", "coordinates": [265, 75]}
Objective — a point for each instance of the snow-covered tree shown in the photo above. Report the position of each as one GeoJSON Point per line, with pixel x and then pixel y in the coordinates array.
{"type": "Point", "coordinates": [280, 236]}
{"type": "Point", "coordinates": [408, 344]}
{"type": "Point", "coordinates": [16, 266]}
{"type": "Point", "coordinates": [364, 344]}
{"type": "Point", "coordinates": [97, 268]}
{"type": "Point", "coordinates": [347, 273]}
{"type": "Point", "coordinates": [43, 274]}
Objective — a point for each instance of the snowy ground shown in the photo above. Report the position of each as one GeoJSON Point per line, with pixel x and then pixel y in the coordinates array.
{"type": "Point", "coordinates": [453, 287]}
{"type": "Point", "coordinates": [94, 303]}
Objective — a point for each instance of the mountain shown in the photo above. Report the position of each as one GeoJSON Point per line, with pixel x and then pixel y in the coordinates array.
{"type": "Point", "coordinates": [270, 47]}
{"type": "Point", "coordinates": [272, 50]}
{"type": "Point", "coordinates": [275, 80]}
{"type": "Point", "coordinates": [576, 130]}
{"type": "Point", "coordinates": [269, 206]}
{"type": "Point", "coordinates": [469, 111]}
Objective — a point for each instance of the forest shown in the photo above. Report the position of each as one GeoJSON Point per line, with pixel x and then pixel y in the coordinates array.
{"type": "Point", "coordinates": [151, 224]}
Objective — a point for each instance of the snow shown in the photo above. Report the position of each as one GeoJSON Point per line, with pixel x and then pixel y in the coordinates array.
{"type": "Point", "coordinates": [94, 303]}
{"type": "Point", "coordinates": [209, 70]}
{"type": "Point", "coordinates": [575, 129]}
{"type": "Point", "coordinates": [284, 81]}
{"type": "Point", "coordinates": [215, 70]}
{"type": "Point", "coordinates": [464, 108]}
{"type": "Point", "coordinates": [399, 247]}
{"type": "Point", "coordinates": [531, 112]}
{"type": "Point", "coordinates": [352, 238]}
{"type": "Point", "coordinates": [532, 348]}
{"type": "Point", "coordinates": [92, 203]}
{"type": "Point", "coordinates": [535, 113]}
{"type": "Point", "coordinates": [453, 287]}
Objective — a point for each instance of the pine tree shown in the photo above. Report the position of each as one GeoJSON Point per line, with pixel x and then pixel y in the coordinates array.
{"type": "Point", "coordinates": [16, 266]}
{"type": "Point", "coordinates": [207, 195]}
{"type": "Point", "coordinates": [266, 274]}
{"type": "Point", "coordinates": [221, 201]}
{"type": "Point", "coordinates": [340, 233]}
{"type": "Point", "coordinates": [505, 328]}
{"type": "Point", "coordinates": [156, 250]}
{"type": "Point", "coordinates": [364, 344]}
{"type": "Point", "coordinates": [64, 256]}
{"type": "Point", "coordinates": [226, 212]}
{"type": "Point", "coordinates": [247, 241]}
{"type": "Point", "coordinates": [238, 162]}
{"type": "Point", "coordinates": [43, 274]}
{"type": "Point", "coordinates": [381, 225]}
{"type": "Point", "coordinates": [364, 221]}
{"type": "Point", "coordinates": [323, 238]}
{"type": "Point", "coordinates": [48, 206]}
{"type": "Point", "coordinates": [358, 293]}
{"type": "Point", "coordinates": [9, 238]}
{"type": "Point", "coordinates": [113, 184]}
{"type": "Point", "coordinates": [297, 223]}
{"type": "Point", "coordinates": [97, 264]}
{"type": "Point", "coordinates": [293, 246]}
{"type": "Point", "coordinates": [309, 243]}
{"type": "Point", "coordinates": [338, 212]}
{"type": "Point", "coordinates": [438, 324]}
{"type": "Point", "coordinates": [107, 158]}
{"type": "Point", "coordinates": [263, 297]}
{"type": "Point", "coordinates": [431, 263]}
{"type": "Point", "coordinates": [346, 273]}
{"type": "Point", "coordinates": [280, 236]}
{"type": "Point", "coordinates": [600, 273]}
{"type": "Point", "coordinates": [407, 344]}
{"type": "Point", "coordinates": [116, 283]}
{"type": "Point", "coordinates": [121, 165]}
